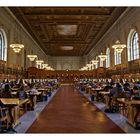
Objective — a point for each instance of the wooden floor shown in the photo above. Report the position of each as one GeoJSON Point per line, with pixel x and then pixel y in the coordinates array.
{"type": "Point", "coordinates": [70, 112]}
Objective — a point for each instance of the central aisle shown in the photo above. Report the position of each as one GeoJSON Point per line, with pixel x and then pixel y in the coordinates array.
{"type": "Point", "coordinates": [70, 112]}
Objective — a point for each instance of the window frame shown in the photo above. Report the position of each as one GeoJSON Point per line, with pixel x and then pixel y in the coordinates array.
{"type": "Point", "coordinates": [133, 46]}
{"type": "Point", "coordinates": [108, 58]}
{"type": "Point", "coordinates": [3, 45]}
{"type": "Point", "coordinates": [117, 58]}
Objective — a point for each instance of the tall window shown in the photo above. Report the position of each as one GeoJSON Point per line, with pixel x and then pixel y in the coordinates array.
{"type": "Point", "coordinates": [117, 57]}
{"type": "Point", "coordinates": [133, 46]}
{"type": "Point", "coordinates": [3, 48]}
{"type": "Point", "coordinates": [108, 58]}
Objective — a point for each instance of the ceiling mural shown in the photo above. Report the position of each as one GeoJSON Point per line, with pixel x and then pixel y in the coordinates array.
{"type": "Point", "coordinates": [67, 31]}
{"type": "Point", "coordinates": [67, 48]}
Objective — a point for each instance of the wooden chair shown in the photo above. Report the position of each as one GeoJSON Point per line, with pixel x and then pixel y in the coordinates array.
{"type": "Point", "coordinates": [4, 118]}
{"type": "Point", "coordinates": [122, 108]}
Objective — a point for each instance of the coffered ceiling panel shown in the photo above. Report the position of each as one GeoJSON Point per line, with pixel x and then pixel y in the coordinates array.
{"type": "Point", "coordinates": [67, 31]}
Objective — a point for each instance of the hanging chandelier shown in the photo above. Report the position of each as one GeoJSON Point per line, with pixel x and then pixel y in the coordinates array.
{"type": "Point", "coordinates": [32, 57]}
{"type": "Point", "coordinates": [89, 65]}
{"type": "Point", "coordinates": [16, 47]}
{"type": "Point", "coordinates": [85, 68]}
{"type": "Point", "coordinates": [44, 65]}
{"type": "Point", "coordinates": [94, 62]}
{"type": "Point", "coordinates": [39, 61]}
{"type": "Point", "coordinates": [17, 39]}
{"type": "Point", "coordinates": [102, 57]}
{"type": "Point", "coordinates": [49, 68]}
{"type": "Point", "coordinates": [118, 46]}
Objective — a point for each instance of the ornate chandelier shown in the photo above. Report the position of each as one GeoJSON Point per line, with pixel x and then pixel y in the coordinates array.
{"type": "Point", "coordinates": [44, 65]}
{"type": "Point", "coordinates": [89, 65]}
{"type": "Point", "coordinates": [94, 62]}
{"type": "Point", "coordinates": [32, 57]}
{"type": "Point", "coordinates": [118, 46]}
{"type": "Point", "coordinates": [84, 68]}
{"type": "Point", "coordinates": [102, 57]}
{"type": "Point", "coordinates": [16, 47]}
{"type": "Point", "coordinates": [39, 61]}
{"type": "Point", "coordinates": [17, 39]}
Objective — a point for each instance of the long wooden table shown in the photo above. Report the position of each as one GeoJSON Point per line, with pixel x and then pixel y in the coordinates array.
{"type": "Point", "coordinates": [35, 93]}
{"type": "Point", "coordinates": [88, 88]}
{"type": "Point", "coordinates": [95, 92]}
{"type": "Point", "coordinates": [106, 97]}
{"type": "Point", "coordinates": [133, 110]}
{"type": "Point", "coordinates": [15, 103]}
{"type": "Point", "coordinates": [14, 89]}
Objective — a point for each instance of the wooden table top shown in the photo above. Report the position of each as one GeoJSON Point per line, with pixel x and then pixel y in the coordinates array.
{"type": "Point", "coordinates": [131, 102]}
{"type": "Point", "coordinates": [97, 89]}
{"type": "Point", "coordinates": [88, 86]}
{"type": "Point", "coordinates": [35, 93]}
{"type": "Point", "coordinates": [42, 89]}
{"type": "Point", "coordinates": [104, 92]}
{"type": "Point", "coordinates": [14, 89]}
{"type": "Point", "coordinates": [13, 101]}
{"type": "Point", "coordinates": [14, 93]}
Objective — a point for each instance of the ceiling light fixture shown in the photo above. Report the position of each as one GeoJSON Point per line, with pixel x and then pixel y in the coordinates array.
{"type": "Point", "coordinates": [118, 46]}
{"type": "Point", "coordinates": [32, 57]}
{"type": "Point", "coordinates": [16, 47]}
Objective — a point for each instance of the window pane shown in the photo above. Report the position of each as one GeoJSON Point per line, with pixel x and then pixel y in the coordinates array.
{"type": "Point", "coordinates": [3, 49]}
{"type": "Point", "coordinates": [134, 47]}
{"type": "Point", "coordinates": [108, 58]}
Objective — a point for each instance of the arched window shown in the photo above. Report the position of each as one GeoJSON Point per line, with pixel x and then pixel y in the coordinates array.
{"type": "Point", "coordinates": [117, 57]}
{"type": "Point", "coordinates": [3, 46]}
{"type": "Point", "coordinates": [108, 58]}
{"type": "Point", "coordinates": [133, 45]}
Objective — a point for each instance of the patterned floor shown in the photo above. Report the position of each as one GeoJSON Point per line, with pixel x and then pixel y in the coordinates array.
{"type": "Point", "coordinates": [58, 107]}
{"type": "Point", "coordinates": [71, 112]}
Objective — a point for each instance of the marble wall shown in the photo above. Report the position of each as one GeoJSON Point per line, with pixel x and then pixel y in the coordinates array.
{"type": "Point", "coordinates": [128, 20]}
{"type": "Point", "coordinates": [118, 31]}
{"type": "Point", "coordinates": [64, 62]}
{"type": "Point", "coordinates": [16, 33]}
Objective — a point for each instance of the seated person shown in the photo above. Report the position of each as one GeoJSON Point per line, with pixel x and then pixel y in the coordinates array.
{"type": "Point", "coordinates": [34, 90]}
{"type": "Point", "coordinates": [32, 97]}
{"type": "Point", "coordinates": [138, 84]}
{"type": "Point", "coordinates": [107, 88]}
{"type": "Point", "coordinates": [117, 90]}
{"type": "Point", "coordinates": [21, 93]}
{"type": "Point", "coordinates": [127, 89]}
{"type": "Point", "coordinates": [135, 93]}
{"type": "Point", "coordinates": [6, 92]}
